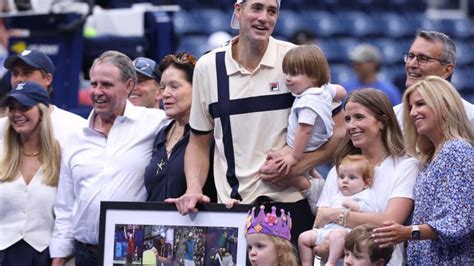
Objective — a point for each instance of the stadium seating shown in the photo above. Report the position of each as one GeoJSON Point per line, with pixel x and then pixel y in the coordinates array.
{"type": "Point", "coordinates": [393, 24]}
{"type": "Point", "coordinates": [288, 23]}
{"type": "Point", "coordinates": [465, 54]}
{"type": "Point", "coordinates": [340, 73]}
{"type": "Point", "coordinates": [391, 50]}
{"type": "Point", "coordinates": [339, 26]}
{"type": "Point", "coordinates": [337, 50]}
{"type": "Point", "coordinates": [193, 44]}
{"type": "Point", "coordinates": [211, 20]}
{"type": "Point", "coordinates": [358, 24]}
{"type": "Point", "coordinates": [184, 23]}
{"type": "Point", "coordinates": [323, 23]}
{"type": "Point", "coordinates": [462, 80]}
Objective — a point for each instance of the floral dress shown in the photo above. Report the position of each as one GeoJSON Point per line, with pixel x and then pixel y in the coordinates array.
{"type": "Point", "coordinates": [444, 200]}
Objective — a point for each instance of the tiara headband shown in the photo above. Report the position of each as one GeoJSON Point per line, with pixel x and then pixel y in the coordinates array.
{"type": "Point", "coordinates": [269, 224]}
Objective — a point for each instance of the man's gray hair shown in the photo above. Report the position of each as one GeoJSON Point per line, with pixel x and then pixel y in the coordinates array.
{"type": "Point", "coordinates": [448, 54]}
{"type": "Point", "coordinates": [121, 61]}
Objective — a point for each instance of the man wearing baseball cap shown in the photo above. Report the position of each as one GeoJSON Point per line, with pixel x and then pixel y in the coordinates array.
{"type": "Point", "coordinates": [366, 63]}
{"type": "Point", "coordinates": [30, 62]}
{"type": "Point", "coordinates": [36, 66]}
{"type": "Point", "coordinates": [147, 90]}
{"type": "Point", "coordinates": [240, 96]}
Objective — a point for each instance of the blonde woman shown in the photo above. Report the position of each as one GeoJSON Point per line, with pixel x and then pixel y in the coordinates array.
{"type": "Point", "coordinates": [440, 135]}
{"type": "Point", "coordinates": [29, 171]}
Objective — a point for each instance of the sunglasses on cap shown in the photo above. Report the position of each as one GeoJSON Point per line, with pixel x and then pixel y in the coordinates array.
{"type": "Point", "coordinates": [145, 68]}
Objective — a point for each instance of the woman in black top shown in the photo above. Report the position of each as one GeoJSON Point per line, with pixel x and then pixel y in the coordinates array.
{"type": "Point", "coordinates": [164, 176]}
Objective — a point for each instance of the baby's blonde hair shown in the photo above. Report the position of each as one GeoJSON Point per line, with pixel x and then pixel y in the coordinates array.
{"type": "Point", "coordinates": [364, 167]}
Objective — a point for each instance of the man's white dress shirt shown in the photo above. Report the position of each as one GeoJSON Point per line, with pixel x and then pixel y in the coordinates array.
{"type": "Point", "coordinates": [97, 168]}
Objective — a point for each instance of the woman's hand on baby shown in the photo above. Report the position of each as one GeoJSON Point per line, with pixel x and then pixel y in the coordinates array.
{"type": "Point", "coordinates": [326, 215]}
{"type": "Point", "coordinates": [391, 233]}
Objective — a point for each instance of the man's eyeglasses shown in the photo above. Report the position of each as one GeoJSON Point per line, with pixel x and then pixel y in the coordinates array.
{"type": "Point", "coordinates": [183, 58]}
{"type": "Point", "coordinates": [422, 59]}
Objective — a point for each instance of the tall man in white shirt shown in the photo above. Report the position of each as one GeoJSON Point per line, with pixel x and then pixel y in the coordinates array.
{"type": "Point", "coordinates": [239, 95]}
{"type": "Point", "coordinates": [105, 162]}
{"type": "Point", "coordinates": [36, 66]}
{"type": "Point", "coordinates": [431, 53]}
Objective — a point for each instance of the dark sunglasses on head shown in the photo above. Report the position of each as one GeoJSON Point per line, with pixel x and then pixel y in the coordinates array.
{"type": "Point", "coordinates": [183, 58]}
{"type": "Point", "coordinates": [142, 65]}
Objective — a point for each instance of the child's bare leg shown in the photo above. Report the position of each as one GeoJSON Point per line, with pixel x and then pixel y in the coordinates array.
{"type": "Point", "coordinates": [306, 241]}
{"type": "Point", "coordinates": [336, 245]}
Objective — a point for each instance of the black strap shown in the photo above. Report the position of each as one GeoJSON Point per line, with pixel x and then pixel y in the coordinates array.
{"type": "Point", "coordinates": [223, 100]}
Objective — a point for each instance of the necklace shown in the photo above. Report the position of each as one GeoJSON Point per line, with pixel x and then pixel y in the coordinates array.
{"type": "Point", "coordinates": [162, 163]}
{"type": "Point", "coordinates": [377, 164]}
{"type": "Point", "coordinates": [34, 154]}
{"type": "Point", "coordinates": [170, 138]}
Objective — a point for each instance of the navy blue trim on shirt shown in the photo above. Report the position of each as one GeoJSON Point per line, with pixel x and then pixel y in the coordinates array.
{"type": "Point", "coordinates": [200, 132]}
{"type": "Point", "coordinates": [254, 104]}
{"type": "Point", "coordinates": [224, 110]}
{"type": "Point", "coordinates": [338, 109]}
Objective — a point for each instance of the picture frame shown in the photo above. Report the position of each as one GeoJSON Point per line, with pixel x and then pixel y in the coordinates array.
{"type": "Point", "coordinates": [154, 233]}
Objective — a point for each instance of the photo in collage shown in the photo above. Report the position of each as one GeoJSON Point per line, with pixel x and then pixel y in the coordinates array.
{"type": "Point", "coordinates": [162, 245]}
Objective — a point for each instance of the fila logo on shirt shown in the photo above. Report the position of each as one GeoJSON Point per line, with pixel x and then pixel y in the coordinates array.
{"type": "Point", "coordinates": [274, 86]}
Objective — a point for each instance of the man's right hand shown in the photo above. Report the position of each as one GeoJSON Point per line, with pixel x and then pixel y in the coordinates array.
{"type": "Point", "coordinates": [187, 203]}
